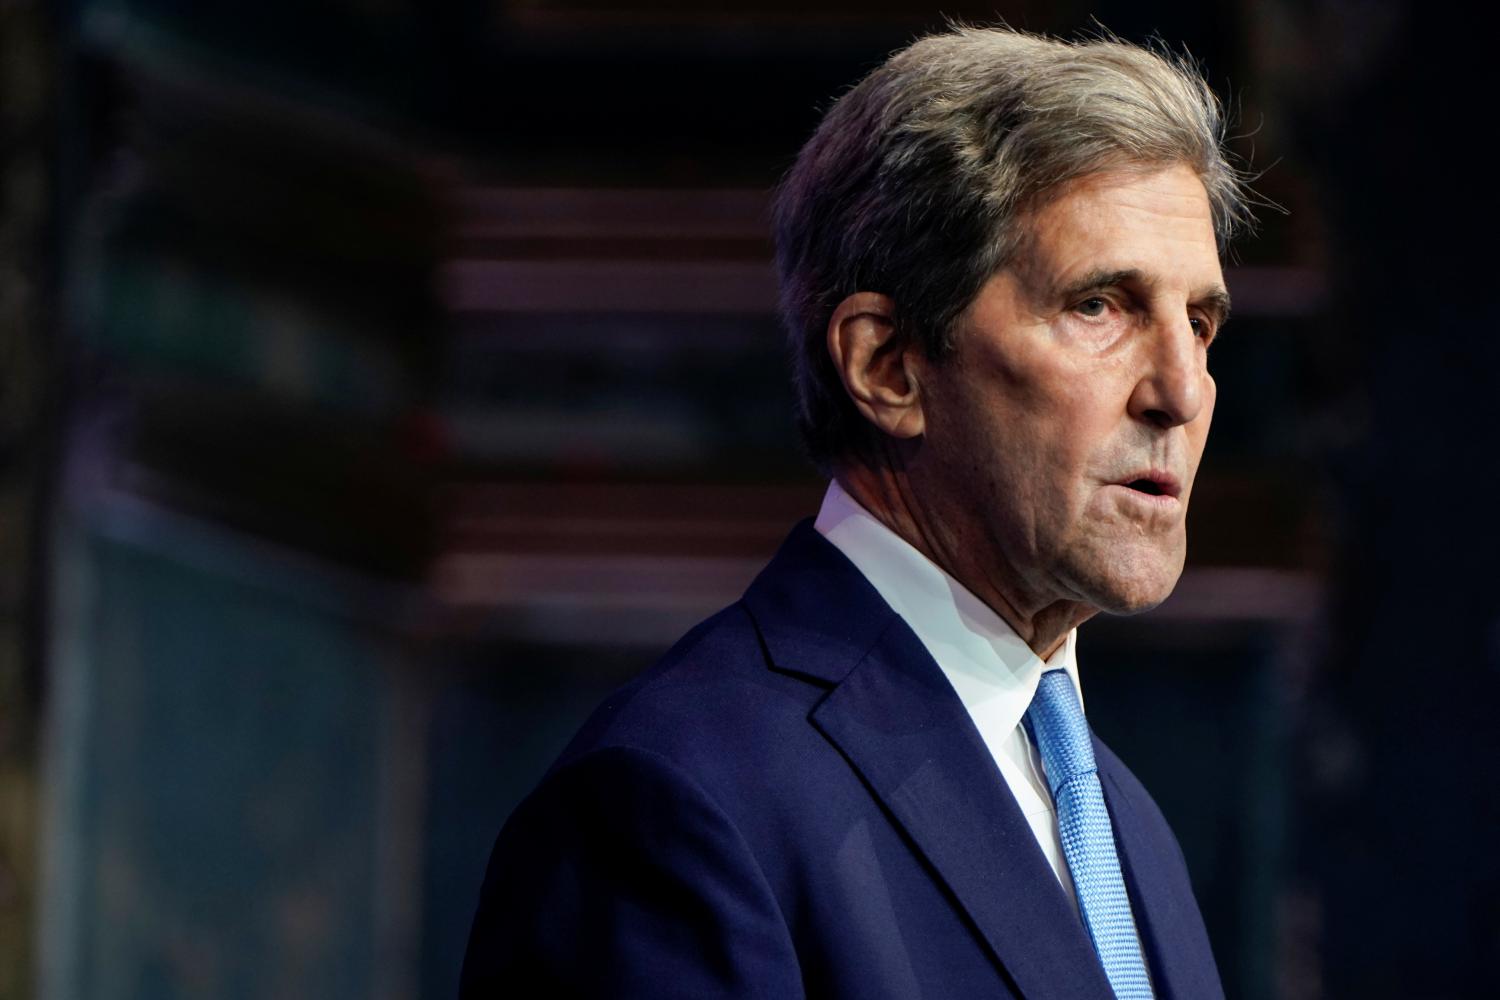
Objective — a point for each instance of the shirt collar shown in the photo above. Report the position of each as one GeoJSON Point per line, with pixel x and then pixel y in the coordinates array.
{"type": "Point", "coordinates": [993, 671]}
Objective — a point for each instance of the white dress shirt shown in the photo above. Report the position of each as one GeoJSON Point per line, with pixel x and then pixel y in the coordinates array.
{"type": "Point", "coordinates": [994, 673]}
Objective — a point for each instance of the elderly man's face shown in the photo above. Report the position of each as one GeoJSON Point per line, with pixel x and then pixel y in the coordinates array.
{"type": "Point", "coordinates": [1064, 433]}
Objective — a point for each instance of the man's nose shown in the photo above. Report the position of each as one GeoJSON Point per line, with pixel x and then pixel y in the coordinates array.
{"type": "Point", "coordinates": [1170, 390]}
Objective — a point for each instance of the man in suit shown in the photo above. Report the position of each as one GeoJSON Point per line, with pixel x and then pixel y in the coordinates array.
{"type": "Point", "coordinates": [871, 777]}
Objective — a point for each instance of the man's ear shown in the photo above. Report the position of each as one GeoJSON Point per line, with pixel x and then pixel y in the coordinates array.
{"type": "Point", "coordinates": [872, 359]}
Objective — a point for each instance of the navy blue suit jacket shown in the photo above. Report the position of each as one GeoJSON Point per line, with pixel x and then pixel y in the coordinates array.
{"type": "Point", "coordinates": [794, 802]}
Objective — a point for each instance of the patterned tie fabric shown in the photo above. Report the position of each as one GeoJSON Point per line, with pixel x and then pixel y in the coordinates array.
{"type": "Point", "coordinates": [1057, 726]}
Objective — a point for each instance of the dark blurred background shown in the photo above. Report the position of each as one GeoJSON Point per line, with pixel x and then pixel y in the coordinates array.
{"type": "Point", "coordinates": [384, 381]}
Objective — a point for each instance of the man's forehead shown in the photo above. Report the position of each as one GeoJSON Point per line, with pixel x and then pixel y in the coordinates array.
{"type": "Point", "coordinates": [1149, 227]}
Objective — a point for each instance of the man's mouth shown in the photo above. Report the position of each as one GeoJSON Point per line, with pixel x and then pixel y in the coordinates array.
{"type": "Point", "coordinates": [1154, 483]}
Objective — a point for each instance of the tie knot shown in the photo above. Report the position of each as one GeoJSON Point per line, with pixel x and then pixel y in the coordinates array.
{"type": "Point", "coordinates": [1056, 721]}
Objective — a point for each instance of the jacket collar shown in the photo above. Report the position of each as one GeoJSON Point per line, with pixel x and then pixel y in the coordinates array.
{"type": "Point", "coordinates": [817, 615]}
{"type": "Point", "coordinates": [895, 718]}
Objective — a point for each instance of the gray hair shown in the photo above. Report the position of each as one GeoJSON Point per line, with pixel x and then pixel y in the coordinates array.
{"type": "Point", "coordinates": [917, 183]}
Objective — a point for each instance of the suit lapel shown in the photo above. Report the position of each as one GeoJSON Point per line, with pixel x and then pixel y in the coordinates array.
{"type": "Point", "coordinates": [1166, 914]}
{"type": "Point", "coordinates": [895, 718]}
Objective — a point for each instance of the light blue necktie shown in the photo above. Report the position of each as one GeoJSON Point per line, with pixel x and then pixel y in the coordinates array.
{"type": "Point", "coordinates": [1055, 721]}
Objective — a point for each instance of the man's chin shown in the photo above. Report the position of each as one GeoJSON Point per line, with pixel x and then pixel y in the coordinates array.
{"type": "Point", "coordinates": [1134, 605]}
{"type": "Point", "coordinates": [1130, 586]}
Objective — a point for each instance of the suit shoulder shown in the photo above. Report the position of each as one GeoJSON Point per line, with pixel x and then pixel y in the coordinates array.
{"type": "Point", "coordinates": [715, 681]}
{"type": "Point", "coordinates": [597, 881]}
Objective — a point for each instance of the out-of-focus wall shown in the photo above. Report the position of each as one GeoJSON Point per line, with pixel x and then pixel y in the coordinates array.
{"type": "Point", "coordinates": [27, 223]}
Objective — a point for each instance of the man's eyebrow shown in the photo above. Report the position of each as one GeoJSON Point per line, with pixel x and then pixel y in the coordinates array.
{"type": "Point", "coordinates": [1216, 302]}
{"type": "Point", "coordinates": [1214, 299]}
{"type": "Point", "coordinates": [1096, 279]}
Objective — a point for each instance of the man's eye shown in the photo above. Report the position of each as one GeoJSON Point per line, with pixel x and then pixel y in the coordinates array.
{"type": "Point", "coordinates": [1092, 308]}
{"type": "Point", "coordinates": [1201, 327]}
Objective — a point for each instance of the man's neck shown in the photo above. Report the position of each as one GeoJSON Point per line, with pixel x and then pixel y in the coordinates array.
{"type": "Point", "coordinates": [1041, 623]}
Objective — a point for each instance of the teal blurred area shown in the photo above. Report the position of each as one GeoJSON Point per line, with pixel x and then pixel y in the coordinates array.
{"type": "Point", "coordinates": [398, 378]}
{"type": "Point", "coordinates": [227, 779]}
